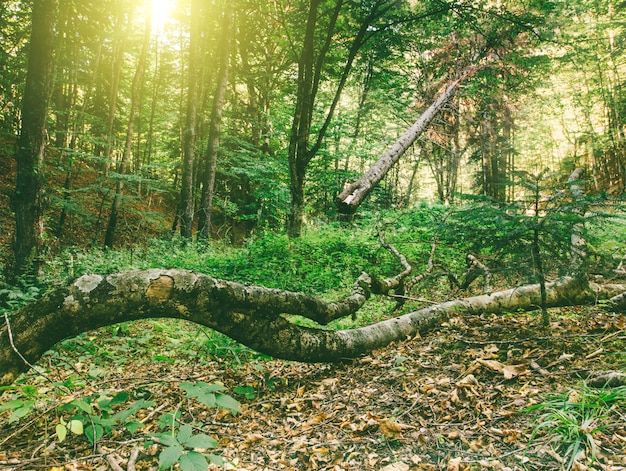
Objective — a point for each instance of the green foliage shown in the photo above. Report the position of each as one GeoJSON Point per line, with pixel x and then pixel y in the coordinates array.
{"type": "Point", "coordinates": [211, 396]}
{"type": "Point", "coordinates": [97, 417]}
{"type": "Point", "coordinates": [572, 420]}
{"type": "Point", "coordinates": [180, 445]}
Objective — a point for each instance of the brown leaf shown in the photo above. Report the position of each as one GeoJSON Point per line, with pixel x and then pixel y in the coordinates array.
{"type": "Point", "coordinates": [389, 427]}
{"type": "Point", "coordinates": [399, 466]}
{"type": "Point", "coordinates": [493, 365]}
{"type": "Point", "coordinates": [513, 371]}
{"type": "Point", "coordinates": [455, 464]}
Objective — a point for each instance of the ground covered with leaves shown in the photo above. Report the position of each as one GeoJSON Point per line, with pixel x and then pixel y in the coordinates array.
{"type": "Point", "coordinates": [494, 392]}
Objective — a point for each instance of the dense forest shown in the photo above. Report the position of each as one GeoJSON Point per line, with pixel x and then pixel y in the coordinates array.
{"type": "Point", "coordinates": [312, 182]}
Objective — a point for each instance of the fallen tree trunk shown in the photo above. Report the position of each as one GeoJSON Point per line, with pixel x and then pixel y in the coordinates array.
{"type": "Point", "coordinates": [349, 200]}
{"type": "Point", "coordinates": [249, 314]}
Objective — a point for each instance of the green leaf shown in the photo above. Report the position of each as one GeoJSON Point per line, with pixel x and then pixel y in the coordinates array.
{"type": "Point", "coordinates": [217, 460]}
{"type": "Point", "coordinates": [82, 405]}
{"type": "Point", "coordinates": [169, 419]}
{"type": "Point", "coordinates": [184, 433]}
{"type": "Point", "coordinates": [124, 414]}
{"type": "Point", "coordinates": [94, 433]}
{"type": "Point", "coordinates": [208, 399]}
{"type": "Point", "coordinates": [133, 425]}
{"type": "Point", "coordinates": [229, 403]}
{"type": "Point", "coordinates": [61, 431]}
{"type": "Point", "coordinates": [169, 456]}
{"type": "Point", "coordinates": [196, 389]}
{"type": "Point", "coordinates": [76, 427]}
{"type": "Point", "coordinates": [166, 439]}
{"type": "Point", "coordinates": [12, 405]}
{"type": "Point", "coordinates": [23, 411]}
{"type": "Point", "coordinates": [247, 391]}
{"type": "Point", "coordinates": [202, 441]}
{"type": "Point", "coordinates": [193, 461]}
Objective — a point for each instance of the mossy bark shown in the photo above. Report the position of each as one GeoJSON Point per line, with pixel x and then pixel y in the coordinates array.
{"type": "Point", "coordinates": [252, 315]}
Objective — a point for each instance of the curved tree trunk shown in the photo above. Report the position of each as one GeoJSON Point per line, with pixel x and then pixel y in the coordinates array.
{"type": "Point", "coordinates": [251, 315]}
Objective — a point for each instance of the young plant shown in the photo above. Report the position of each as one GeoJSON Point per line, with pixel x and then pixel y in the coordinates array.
{"type": "Point", "coordinates": [181, 446]}
{"type": "Point", "coordinates": [573, 420]}
{"type": "Point", "coordinates": [99, 419]}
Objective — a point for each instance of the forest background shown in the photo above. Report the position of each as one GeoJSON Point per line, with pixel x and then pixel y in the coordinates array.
{"type": "Point", "coordinates": [130, 130]}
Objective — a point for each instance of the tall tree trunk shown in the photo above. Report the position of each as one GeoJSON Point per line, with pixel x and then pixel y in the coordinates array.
{"type": "Point", "coordinates": [308, 82]}
{"type": "Point", "coordinates": [208, 185]}
{"type": "Point", "coordinates": [29, 185]}
{"type": "Point", "coordinates": [186, 204]}
{"type": "Point", "coordinates": [117, 60]}
{"type": "Point", "coordinates": [125, 162]}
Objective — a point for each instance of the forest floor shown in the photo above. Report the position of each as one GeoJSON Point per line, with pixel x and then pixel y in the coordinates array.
{"type": "Point", "coordinates": [459, 398]}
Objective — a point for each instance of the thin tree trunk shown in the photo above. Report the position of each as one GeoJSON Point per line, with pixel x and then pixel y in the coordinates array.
{"type": "Point", "coordinates": [186, 204]}
{"type": "Point", "coordinates": [208, 186]}
{"type": "Point", "coordinates": [125, 162]}
{"type": "Point", "coordinates": [28, 200]}
{"type": "Point", "coordinates": [116, 73]}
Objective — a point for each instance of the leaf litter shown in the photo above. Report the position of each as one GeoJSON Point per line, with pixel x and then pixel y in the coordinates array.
{"type": "Point", "coordinates": [459, 398]}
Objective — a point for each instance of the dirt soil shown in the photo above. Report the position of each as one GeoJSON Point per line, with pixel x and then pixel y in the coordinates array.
{"type": "Point", "coordinates": [456, 399]}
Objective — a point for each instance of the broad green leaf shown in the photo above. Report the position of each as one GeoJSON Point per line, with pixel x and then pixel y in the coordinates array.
{"type": "Point", "coordinates": [229, 403]}
{"type": "Point", "coordinates": [217, 460]}
{"type": "Point", "coordinates": [61, 431]}
{"type": "Point", "coordinates": [195, 389]}
{"type": "Point", "coordinates": [202, 441]}
{"type": "Point", "coordinates": [169, 419]}
{"type": "Point", "coordinates": [12, 405]}
{"type": "Point", "coordinates": [208, 399]}
{"type": "Point", "coordinates": [76, 427]}
{"type": "Point", "coordinates": [133, 425]}
{"type": "Point", "coordinates": [247, 391]}
{"type": "Point", "coordinates": [94, 433]}
{"type": "Point", "coordinates": [193, 461]}
{"type": "Point", "coordinates": [136, 406]}
{"type": "Point", "coordinates": [169, 456]}
{"type": "Point", "coordinates": [166, 439]}
{"type": "Point", "coordinates": [23, 411]}
{"type": "Point", "coordinates": [184, 433]}
{"type": "Point", "coordinates": [82, 405]}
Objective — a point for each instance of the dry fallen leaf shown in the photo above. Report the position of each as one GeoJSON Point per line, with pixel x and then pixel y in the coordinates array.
{"type": "Point", "coordinates": [512, 371]}
{"type": "Point", "coordinates": [399, 466]}
{"type": "Point", "coordinates": [389, 427]}
{"type": "Point", "coordinates": [455, 464]}
{"type": "Point", "coordinates": [493, 365]}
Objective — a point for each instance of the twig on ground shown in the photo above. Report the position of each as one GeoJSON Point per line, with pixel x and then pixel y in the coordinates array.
{"type": "Point", "coordinates": [132, 460]}
{"type": "Point", "coordinates": [108, 456]}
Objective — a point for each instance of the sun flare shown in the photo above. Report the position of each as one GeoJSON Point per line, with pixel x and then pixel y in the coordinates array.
{"type": "Point", "coordinates": [161, 13]}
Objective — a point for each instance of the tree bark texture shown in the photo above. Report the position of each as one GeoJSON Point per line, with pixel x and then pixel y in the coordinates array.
{"type": "Point", "coordinates": [28, 198]}
{"type": "Point", "coordinates": [109, 236]}
{"type": "Point", "coordinates": [208, 185]}
{"type": "Point", "coordinates": [251, 315]}
{"type": "Point", "coordinates": [355, 193]}
{"type": "Point", "coordinates": [186, 204]}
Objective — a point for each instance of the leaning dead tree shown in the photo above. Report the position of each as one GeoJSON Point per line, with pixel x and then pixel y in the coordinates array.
{"type": "Point", "coordinates": [354, 194]}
